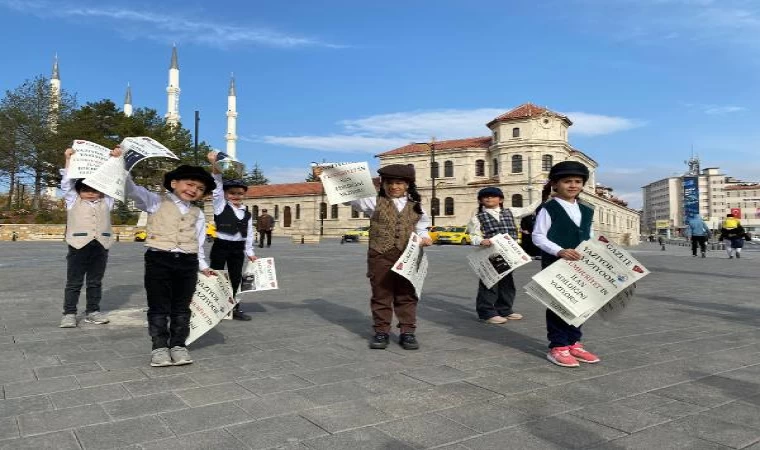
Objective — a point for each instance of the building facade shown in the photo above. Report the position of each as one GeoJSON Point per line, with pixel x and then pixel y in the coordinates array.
{"type": "Point", "coordinates": [524, 143]}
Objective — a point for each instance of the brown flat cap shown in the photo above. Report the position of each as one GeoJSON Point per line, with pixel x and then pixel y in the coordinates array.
{"type": "Point", "coordinates": [397, 171]}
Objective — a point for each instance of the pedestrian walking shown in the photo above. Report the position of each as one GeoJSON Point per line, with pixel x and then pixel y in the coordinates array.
{"type": "Point", "coordinates": [732, 234]}
{"type": "Point", "coordinates": [265, 225]}
{"type": "Point", "coordinates": [698, 231]}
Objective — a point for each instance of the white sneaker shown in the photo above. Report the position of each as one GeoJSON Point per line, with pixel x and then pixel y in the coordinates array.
{"type": "Point", "coordinates": [68, 321]}
{"type": "Point", "coordinates": [160, 358]}
{"type": "Point", "coordinates": [180, 356]}
{"type": "Point", "coordinates": [497, 320]}
{"type": "Point", "coordinates": [96, 317]}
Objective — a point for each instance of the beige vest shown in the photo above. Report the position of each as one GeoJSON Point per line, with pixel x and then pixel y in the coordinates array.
{"type": "Point", "coordinates": [389, 228]}
{"type": "Point", "coordinates": [169, 229]}
{"type": "Point", "coordinates": [86, 222]}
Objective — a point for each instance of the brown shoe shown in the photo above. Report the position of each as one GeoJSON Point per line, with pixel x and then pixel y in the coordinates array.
{"type": "Point", "coordinates": [497, 320]}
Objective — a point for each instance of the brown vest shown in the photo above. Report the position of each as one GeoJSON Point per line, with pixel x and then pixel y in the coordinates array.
{"type": "Point", "coordinates": [168, 228]}
{"type": "Point", "coordinates": [389, 228]}
{"type": "Point", "coordinates": [86, 222]}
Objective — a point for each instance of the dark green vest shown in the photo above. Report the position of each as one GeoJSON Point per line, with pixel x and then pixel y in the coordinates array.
{"type": "Point", "coordinates": [564, 232]}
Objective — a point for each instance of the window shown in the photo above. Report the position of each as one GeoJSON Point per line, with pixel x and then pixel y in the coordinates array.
{"type": "Point", "coordinates": [448, 169]}
{"type": "Point", "coordinates": [366, 215]}
{"type": "Point", "coordinates": [517, 201]}
{"type": "Point", "coordinates": [495, 166]}
{"type": "Point", "coordinates": [286, 217]}
{"type": "Point", "coordinates": [496, 135]}
{"type": "Point", "coordinates": [322, 210]}
{"type": "Point", "coordinates": [546, 163]}
{"type": "Point", "coordinates": [354, 213]}
{"type": "Point", "coordinates": [434, 170]}
{"type": "Point", "coordinates": [435, 207]}
{"type": "Point", "coordinates": [276, 212]}
{"type": "Point", "coordinates": [517, 166]}
{"type": "Point", "coordinates": [298, 211]}
{"type": "Point", "coordinates": [515, 132]}
{"type": "Point", "coordinates": [334, 212]}
{"type": "Point", "coordinates": [448, 206]}
{"type": "Point", "coordinates": [480, 168]}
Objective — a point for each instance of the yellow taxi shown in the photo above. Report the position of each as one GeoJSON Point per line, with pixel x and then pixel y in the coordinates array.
{"type": "Point", "coordinates": [355, 234]}
{"type": "Point", "coordinates": [454, 235]}
{"type": "Point", "coordinates": [140, 235]}
{"type": "Point", "coordinates": [210, 232]}
{"type": "Point", "coordinates": [433, 233]}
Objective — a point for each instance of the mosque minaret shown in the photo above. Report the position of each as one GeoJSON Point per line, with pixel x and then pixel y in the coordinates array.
{"type": "Point", "coordinates": [231, 136]}
{"type": "Point", "coordinates": [172, 91]}
{"type": "Point", "coordinates": [128, 102]}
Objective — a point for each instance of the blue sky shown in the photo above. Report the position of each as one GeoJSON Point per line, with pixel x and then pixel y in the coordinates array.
{"type": "Point", "coordinates": [643, 80]}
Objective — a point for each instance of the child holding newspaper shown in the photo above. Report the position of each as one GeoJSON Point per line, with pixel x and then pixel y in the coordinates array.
{"type": "Point", "coordinates": [494, 305]}
{"type": "Point", "coordinates": [561, 225]}
{"type": "Point", "coordinates": [395, 213]}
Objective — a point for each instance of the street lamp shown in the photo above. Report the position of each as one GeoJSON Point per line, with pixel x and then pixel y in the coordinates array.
{"type": "Point", "coordinates": [433, 170]}
{"type": "Point", "coordinates": [316, 170]}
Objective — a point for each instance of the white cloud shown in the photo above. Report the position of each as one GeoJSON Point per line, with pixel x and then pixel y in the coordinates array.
{"type": "Point", "coordinates": [715, 110]}
{"type": "Point", "coordinates": [168, 27]}
{"type": "Point", "coordinates": [382, 132]}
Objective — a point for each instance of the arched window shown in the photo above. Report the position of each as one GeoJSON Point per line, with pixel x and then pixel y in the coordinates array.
{"type": "Point", "coordinates": [276, 212]}
{"type": "Point", "coordinates": [323, 210]}
{"type": "Point", "coordinates": [448, 206]}
{"type": "Point", "coordinates": [286, 217]}
{"type": "Point", "coordinates": [448, 169]}
{"type": "Point", "coordinates": [515, 132]}
{"type": "Point", "coordinates": [434, 170]}
{"type": "Point", "coordinates": [354, 213]}
{"type": "Point", "coordinates": [298, 211]}
{"type": "Point", "coordinates": [546, 163]}
{"type": "Point", "coordinates": [435, 207]}
{"type": "Point", "coordinates": [495, 166]}
{"type": "Point", "coordinates": [517, 164]}
{"type": "Point", "coordinates": [334, 212]}
{"type": "Point", "coordinates": [517, 201]}
{"type": "Point", "coordinates": [480, 168]}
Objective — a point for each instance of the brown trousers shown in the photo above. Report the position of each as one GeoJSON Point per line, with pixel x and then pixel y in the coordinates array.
{"type": "Point", "coordinates": [390, 292]}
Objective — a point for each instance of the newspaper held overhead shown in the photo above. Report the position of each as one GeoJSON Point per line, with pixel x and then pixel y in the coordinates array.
{"type": "Point", "coordinates": [87, 158]}
{"type": "Point", "coordinates": [212, 301]}
{"type": "Point", "coordinates": [493, 263]}
{"type": "Point", "coordinates": [413, 264]}
{"type": "Point", "coordinates": [136, 149]}
{"type": "Point", "coordinates": [259, 275]}
{"type": "Point", "coordinates": [347, 182]}
{"type": "Point", "coordinates": [575, 290]}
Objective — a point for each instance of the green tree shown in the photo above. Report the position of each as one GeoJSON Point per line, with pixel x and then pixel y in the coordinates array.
{"type": "Point", "coordinates": [255, 176]}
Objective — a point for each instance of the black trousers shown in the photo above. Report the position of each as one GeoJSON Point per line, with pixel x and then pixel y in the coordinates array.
{"type": "Point", "coordinates": [231, 254]}
{"type": "Point", "coordinates": [698, 240]}
{"type": "Point", "coordinates": [496, 301]}
{"type": "Point", "coordinates": [268, 234]}
{"type": "Point", "coordinates": [89, 261]}
{"type": "Point", "coordinates": [559, 332]}
{"type": "Point", "coordinates": [170, 280]}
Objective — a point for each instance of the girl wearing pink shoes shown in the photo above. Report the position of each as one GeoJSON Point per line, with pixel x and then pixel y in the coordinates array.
{"type": "Point", "coordinates": [561, 225]}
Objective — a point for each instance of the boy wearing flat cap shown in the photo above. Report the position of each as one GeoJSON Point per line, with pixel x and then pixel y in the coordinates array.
{"type": "Point", "coordinates": [234, 230]}
{"type": "Point", "coordinates": [176, 234]}
{"type": "Point", "coordinates": [394, 214]}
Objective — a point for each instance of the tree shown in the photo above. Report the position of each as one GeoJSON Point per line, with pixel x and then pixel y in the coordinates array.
{"type": "Point", "coordinates": [311, 177]}
{"type": "Point", "coordinates": [255, 176]}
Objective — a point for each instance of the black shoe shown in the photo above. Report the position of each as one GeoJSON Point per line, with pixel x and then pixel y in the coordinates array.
{"type": "Point", "coordinates": [380, 341]}
{"type": "Point", "coordinates": [237, 314]}
{"type": "Point", "coordinates": [704, 255]}
{"type": "Point", "coordinates": [738, 255]}
{"type": "Point", "coordinates": [408, 342]}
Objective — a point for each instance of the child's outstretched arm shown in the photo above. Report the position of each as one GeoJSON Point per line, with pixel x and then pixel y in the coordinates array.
{"type": "Point", "coordinates": [144, 199]}
{"type": "Point", "coordinates": [67, 184]}
{"type": "Point", "coordinates": [476, 234]}
{"type": "Point", "coordinates": [200, 232]}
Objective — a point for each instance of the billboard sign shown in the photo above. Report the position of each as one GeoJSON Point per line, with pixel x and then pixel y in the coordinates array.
{"type": "Point", "coordinates": [690, 197]}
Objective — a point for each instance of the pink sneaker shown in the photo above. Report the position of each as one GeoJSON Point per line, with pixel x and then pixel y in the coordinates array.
{"type": "Point", "coordinates": [561, 356]}
{"type": "Point", "coordinates": [582, 355]}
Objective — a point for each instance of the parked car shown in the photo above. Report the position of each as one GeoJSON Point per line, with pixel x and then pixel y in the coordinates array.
{"type": "Point", "coordinates": [454, 235]}
{"type": "Point", "coordinates": [210, 232]}
{"type": "Point", "coordinates": [140, 235]}
{"type": "Point", "coordinates": [355, 234]}
{"type": "Point", "coordinates": [433, 233]}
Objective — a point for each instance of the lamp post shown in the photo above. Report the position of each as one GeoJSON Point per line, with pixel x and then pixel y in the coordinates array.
{"type": "Point", "coordinates": [433, 170]}
{"type": "Point", "coordinates": [316, 170]}
{"type": "Point", "coordinates": [195, 147]}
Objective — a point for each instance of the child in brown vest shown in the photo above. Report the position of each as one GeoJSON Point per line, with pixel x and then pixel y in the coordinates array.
{"type": "Point", "coordinates": [89, 236]}
{"type": "Point", "coordinates": [176, 234]}
{"type": "Point", "coordinates": [395, 213]}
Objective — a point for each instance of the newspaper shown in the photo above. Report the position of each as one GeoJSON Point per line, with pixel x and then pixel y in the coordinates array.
{"type": "Point", "coordinates": [212, 301]}
{"type": "Point", "coordinates": [575, 290]}
{"type": "Point", "coordinates": [493, 263]}
{"type": "Point", "coordinates": [136, 149]}
{"type": "Point", "coordinates": [259, 275]}
{"type": "Point", "coordinates": [87, 158]}
{"type": "Point", "coordinates": [413, 264]}
{"type": "Point", "coordinates": [346, 182]}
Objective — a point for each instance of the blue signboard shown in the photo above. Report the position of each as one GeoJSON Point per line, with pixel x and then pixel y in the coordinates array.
{"type": "Point", "coordinates": [690, 197]}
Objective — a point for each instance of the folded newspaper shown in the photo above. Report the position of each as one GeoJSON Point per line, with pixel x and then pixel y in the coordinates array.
{"type": "Point", "coordinates": [493, 263]}
{"type": "Point", "coordinates": [211, 301]}
{"type": "Point", "coordinates": [413, 264]}
{"type": "Point", "coordinates": [575, 290]}
{"type": "Point", "coordinates": [259, 275]}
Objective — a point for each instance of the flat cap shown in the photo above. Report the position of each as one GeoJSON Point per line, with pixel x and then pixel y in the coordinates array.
{"type": "Point", "coordinates": [398, 171]}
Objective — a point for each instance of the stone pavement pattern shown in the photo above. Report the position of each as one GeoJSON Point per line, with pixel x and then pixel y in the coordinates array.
{"type": "Point", "coordinates": [681, 368]}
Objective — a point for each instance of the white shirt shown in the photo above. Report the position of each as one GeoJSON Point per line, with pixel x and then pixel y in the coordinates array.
{"type": "Point", "coordinates": [544, 222]}
{"type": "Point", "coordinates": [70, 194]}
{"type": "Point", "coordinates": [474, 227]}
{"type": "Point", "coordinates": [368, 205]}
{"type": "Point", "coordinates": [150, 202]}
{"type": "Point", "coordinates": [219, 203]}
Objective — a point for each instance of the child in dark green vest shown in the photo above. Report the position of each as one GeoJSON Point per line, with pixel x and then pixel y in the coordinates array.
{"type": "Point", "coordinates": [561, 225]}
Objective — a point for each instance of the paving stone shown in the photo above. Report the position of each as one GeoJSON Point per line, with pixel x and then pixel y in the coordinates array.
{"type": "Point", "coordinates": [62, 440]}
{"type": "Point", "coordinates": [386, 384]}
{"type": "Point", "coordinates": [88, 396]}
{"type": "Point", "coordinates": [697, 393]}
{"type": "Point", "coordinates": [80, 356]}
{"type": "Point", "coordinates": [218, 376]}
{"type": "Point", "coordinates": [366, 438]}
{"type": "Point", "coordinates": [217, 393]}
{"type": "Point", "coordinates": [486, 417]}
{"type": "Point", "coordinates": [331, 375]}
{"type": "Point", "coordinates": [275, 431]}
{"type": "Point", "coordinates": [715, 430]}
{"type": "Point", "coordinates": [436, 374]}
{"type": "Point", "coordinates": [644, 402]}
{"type": "Point", "coordinates": [277, 404]}
{"type": "Point", "coordinates": [660, 438]}
{"type": "Point", "coordinates": [155, 385]}
{"type": "Point", "coordinates": [26, 388]}
{"type": "Point", "coordinates": [506, 384]}
{"type": "Point", "coordinates": [23, 405]}
{"type": "Point", "coordinates": [334, 393]}
{"type": "Point", "coordinates": [677, 409]}
{"type": "Point", "coordinates": [60, 419]}
{"type": "Point", "coordinates": [741, 413]}
{"type": "Point", "coordinates": [204, 440]}
{"type": "Point", "coordinates": [143, 405]}
{"type": "Point", "coordinates": [123, 433]}
{"type": "Point", "coordinates": [271, 385]}
{"type": "Point", "coordinates": [110, 377]}
{"type": "Point", "coordinates": [427, 430]}
{"type": "Point", "coordinates": [344, 416]}
{"type": "Point", "coordinates": [191, 420]}
{"type": "Point", "coordinates": [10, 375]}
{"type": "Point", "coordinates": [8, 428]}
{"type": "Point", "coordinates": [68, 369]}
{"type": "Point", "coordinates": [516, 438]}
{"type": "Point", "coordinates": [620, 417]}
